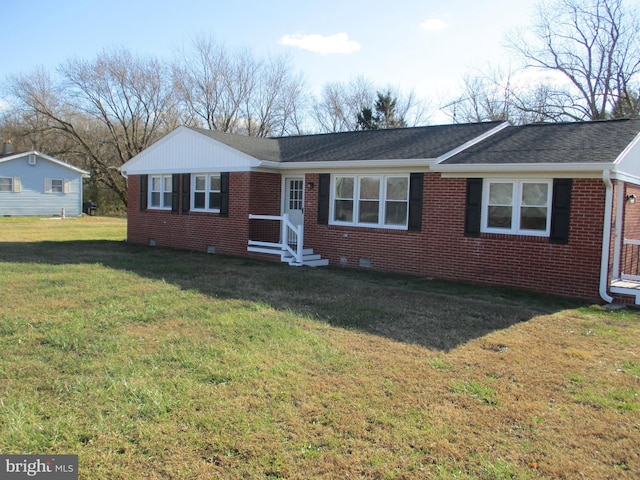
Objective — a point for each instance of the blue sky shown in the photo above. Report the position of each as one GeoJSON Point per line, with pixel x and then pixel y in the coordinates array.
{"type": "Point", "coordinates": [425, 45]}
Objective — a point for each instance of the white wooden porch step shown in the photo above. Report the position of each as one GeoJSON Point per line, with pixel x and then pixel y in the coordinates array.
{"type": "Point", "coordinates": [626, 287]}
{"type": "Point", "coordinates": [321, 262]}
{"type": "Point", "coordinates": [309, 258]}
{"type": "Point", "coordinates": [264, 249]}
{"type": "Point", "coordinates": [305, 256]}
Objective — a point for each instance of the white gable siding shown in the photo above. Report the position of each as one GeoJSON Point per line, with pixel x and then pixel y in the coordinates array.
{"type": "Point", "coordinates": [628, 163]}
{"type": "Point", "coordinates": [187, 151]}
{"type": "Point", "coordinates": [30, 198]}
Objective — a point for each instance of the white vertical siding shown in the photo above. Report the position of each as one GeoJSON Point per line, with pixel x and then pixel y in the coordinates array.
{"type": "Point", "coordinates": [184, 150]}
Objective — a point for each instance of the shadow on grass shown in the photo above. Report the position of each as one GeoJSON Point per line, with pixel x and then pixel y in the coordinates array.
{"type": "Point", "coordinates": [434, 314]}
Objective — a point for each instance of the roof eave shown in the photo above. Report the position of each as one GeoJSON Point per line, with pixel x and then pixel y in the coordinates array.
{"type": "Point", "coordinates": [519, 168]}
{"type": "Point", "coordinates": [84, 173]}
{"type": "Point", "coordinates": [423, 163]}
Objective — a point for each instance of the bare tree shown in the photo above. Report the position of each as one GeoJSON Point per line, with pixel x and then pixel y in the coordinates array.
{"type": "Point", "coordinates": [274, 108]}
{"type": "Point", "coordinates": [482, 98]}
{"type": "Point", "coordinates": [109, 109]}
{"type": "Point", "coordinates": [496, 95]}
{"type": "Point", "coordinates": [594, 46]}
{"type": "Point", "coordinates": [339, 105]}
{"type": "Point", "coordinates": [233, 91]}
{"type": "Point", "coordinates": [200, 80]}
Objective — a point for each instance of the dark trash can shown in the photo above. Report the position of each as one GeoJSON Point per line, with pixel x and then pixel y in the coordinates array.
{"type": "Point", "coordinates": [90, 208]}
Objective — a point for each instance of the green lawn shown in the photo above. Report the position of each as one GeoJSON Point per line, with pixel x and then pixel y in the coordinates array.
{"type": "Point", "coordinates": [154, 363]}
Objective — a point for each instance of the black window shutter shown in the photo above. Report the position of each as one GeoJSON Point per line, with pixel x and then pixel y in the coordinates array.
{"type": "Point", "coordinates": [175, 193]}
{"type": "Point", "coordinates": [560, 209]}
{"type": "Point", "coordinates": [415, 201]}
{"type": "Point", "coordinates": [186, 193]}
{"type": "Point", "coordinates": [224, 194]}
{"type": "Point", "coordinates": [473, 211]}
{"type": "Point", "coordinates": [144, 184]}
{"type": "Point", "coordinates": [324, 185]}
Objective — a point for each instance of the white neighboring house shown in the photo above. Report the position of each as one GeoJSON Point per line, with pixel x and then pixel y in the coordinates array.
{"type": "Point", "coordinates": [35, 184]}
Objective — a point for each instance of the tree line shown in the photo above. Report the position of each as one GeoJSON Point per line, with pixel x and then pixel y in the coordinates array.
{"type": "Point", "coordinates": [99, 113]}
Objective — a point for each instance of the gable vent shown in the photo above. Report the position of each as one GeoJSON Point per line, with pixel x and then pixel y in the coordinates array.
{"type": "Point", "coordinates": [32, 159]}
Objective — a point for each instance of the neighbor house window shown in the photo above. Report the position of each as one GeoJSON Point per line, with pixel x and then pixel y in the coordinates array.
{"type": "Point", "coordinates": [6, 184]}
{"type": "Point", "coordinates": [371, 200]}
{"type": "Point", "coordinates": [56, 185]}
{"type": "Point", "coordinates": [160, 191]}
{"type": "Point", "coordinates": [517, 207]}
{"type": "Point", "coordinates": [206, 192]}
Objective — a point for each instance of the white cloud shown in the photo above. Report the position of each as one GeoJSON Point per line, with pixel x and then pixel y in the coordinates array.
{"type": "Point", "coordinates": [338, 43]}
{"type": "Point", "coordinates": [434, 24]}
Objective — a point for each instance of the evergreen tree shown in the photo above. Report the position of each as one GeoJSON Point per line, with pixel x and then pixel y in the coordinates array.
{"type": "Point", "coordinates": [385, 114]}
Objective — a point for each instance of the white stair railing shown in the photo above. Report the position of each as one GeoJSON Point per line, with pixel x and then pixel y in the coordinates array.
{"type": "Point", "coordinates": [291, 236]}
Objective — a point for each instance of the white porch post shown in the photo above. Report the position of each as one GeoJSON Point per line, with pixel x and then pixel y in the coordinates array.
{"type": "Point", "coordinates": [284, 234]}
{"type": "Point", "coordinates": [300, 243]}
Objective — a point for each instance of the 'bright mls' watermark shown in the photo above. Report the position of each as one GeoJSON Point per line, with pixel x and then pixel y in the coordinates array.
{"type": "Point", "coordinates": [45, 467]}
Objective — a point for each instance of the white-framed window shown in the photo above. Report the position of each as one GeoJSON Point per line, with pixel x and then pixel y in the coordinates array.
{"type": "Point", "coordinates": [370, 200]}
{"type": "Point", "coordinates": [205, 192]}
{"type": "Point", "coordinates": [57, 185]}
{"type": "Point", "coordinates": [160, 191]}
{"type": "Point", "coordinates": [521, 207]}
{"type": "Point", "coordinates": [6, 184]}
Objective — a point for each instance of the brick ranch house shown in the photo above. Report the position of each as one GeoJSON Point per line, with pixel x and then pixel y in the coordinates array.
{"type": "Point", "coordinates": [545, 207]}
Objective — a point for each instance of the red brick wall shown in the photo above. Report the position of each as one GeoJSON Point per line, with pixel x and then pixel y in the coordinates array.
{"type": "Point", "coordinates": [441, 250]}
{"type": "Point", "coordinates": [248, 193]}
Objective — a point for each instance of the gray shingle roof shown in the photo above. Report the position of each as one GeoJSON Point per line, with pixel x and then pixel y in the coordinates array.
{"type": "Point", "coordinates": [400, 143]}
{"type": "Point", "coordinates": [585, 142]}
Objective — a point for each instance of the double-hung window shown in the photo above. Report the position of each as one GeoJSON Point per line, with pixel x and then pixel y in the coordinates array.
{"type": "Point", "coordinates": [6, 184]}
{"type": "Point", "coordinates": [57, 185]}
{"type": "Point", "coordinates": [206, 192]}
{"type": "Point", "coordinates": [520, 207]}
{"type": "Point", "coordinates": [371, 200]}
{"type": "Point", "coordinates": [160, 191]}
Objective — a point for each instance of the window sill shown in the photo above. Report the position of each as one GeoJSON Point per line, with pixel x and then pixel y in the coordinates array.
{"type": "Point", "coordinates": [515, 237]}
{"type": "Point", "coordinates": [193, 210]}
{"type": "Point", "coordinates": [368, 228]}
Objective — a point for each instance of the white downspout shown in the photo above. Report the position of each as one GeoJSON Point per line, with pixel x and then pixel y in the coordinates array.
{"type": "Point", "coordinates": [606, 237]}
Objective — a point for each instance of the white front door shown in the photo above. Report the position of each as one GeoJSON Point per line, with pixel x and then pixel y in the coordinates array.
{"type": "Point", "coordinates": [294, 201]}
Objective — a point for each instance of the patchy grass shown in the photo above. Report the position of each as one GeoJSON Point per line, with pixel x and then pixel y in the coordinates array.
{"type": "Point", "coordinates": [153, 363]}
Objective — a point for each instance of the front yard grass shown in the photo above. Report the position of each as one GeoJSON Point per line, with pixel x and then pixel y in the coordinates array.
{"type": "Point", "coordinates": [155, 363]}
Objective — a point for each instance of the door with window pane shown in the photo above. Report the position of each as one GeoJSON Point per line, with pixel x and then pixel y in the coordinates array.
{"type": "Point", "coordinates": [294, 202]}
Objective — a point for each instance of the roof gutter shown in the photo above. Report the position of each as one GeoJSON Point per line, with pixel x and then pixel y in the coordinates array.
{"type": "Point", "coordinates": [422, 163]}
{"type": "Point", "coordinates": [606, 237]}
{"type": "Point", "coordinates": [594, 168]}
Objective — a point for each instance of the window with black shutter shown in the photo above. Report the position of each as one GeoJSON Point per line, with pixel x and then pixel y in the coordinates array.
{"type": "Point", "coordinates": [560, 210]}
{"type": "Point", "coordinates": [473, 213]}
{"type": "Point", "coordinates": [175, 193]}
{"type": "Point", "coordinates": [324, 193]}
{"type": "Point", "coordinates": [186, 193]}
{"type": "Point", "coordinates": [224, 194]}
{"type": "Point", "coordinates": [415, 201]}
{"type": "Point", "coordinates": [144, 184]}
